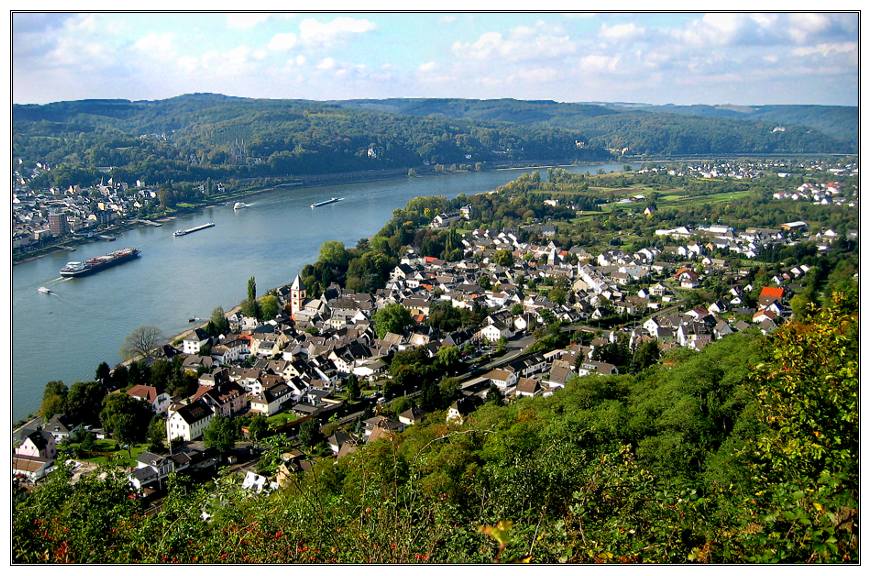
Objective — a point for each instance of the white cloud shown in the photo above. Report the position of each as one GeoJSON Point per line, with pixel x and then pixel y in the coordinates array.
{"type": "Point", "coordinates": [427, 67]}
{"type": "Point", "coordinates": [315, 33]}
{"type": "Point", "coordinates": [157, 45]}
{"type": "Point", "coordinates": [522, 43]}
{"type": "Point", "coordinates": [245, 21]}
{"type": "Point", "coordinates": [448, 19]}
{"type": "Point", "coordinates": [804, 25]}
{"type": "Point", "coordinates": [282, 42]}
{"type": "Point", "coordinates": [621, 31]}
{"type": "Point", "coordinates": [599, 63]}
{"type": "Point", "coordinates": [827, 48]}
{"type": "Point", "coordinates": [326, 64]}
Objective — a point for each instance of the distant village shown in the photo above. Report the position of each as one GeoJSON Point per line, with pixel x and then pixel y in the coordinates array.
{"type": "Point", "coordinates": [45, 217]}
{"type": "Point", "coordinates": [299, 361]}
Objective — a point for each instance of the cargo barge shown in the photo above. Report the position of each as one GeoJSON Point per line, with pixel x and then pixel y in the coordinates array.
{"type": "Point", "coordinates": [93, 265]}
{"type": "Point", "coordinates": [194, 229]}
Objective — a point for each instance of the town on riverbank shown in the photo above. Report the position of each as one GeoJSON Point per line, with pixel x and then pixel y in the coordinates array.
{"type": "Point", "coordinates": [490, 298]}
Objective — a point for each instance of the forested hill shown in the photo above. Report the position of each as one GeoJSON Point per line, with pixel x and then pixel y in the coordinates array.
{"type": "Point", "coordinates": [630, 122]}
{"type": "Point", "coordinates": [208, 135]}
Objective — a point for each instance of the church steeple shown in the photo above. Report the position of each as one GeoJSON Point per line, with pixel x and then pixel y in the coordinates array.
{"type": "Point", "coordinates": [297, 296]}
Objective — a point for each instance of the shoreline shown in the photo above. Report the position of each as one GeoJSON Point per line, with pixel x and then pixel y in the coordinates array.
{"type": "Point", "coordinates": [292, 182]}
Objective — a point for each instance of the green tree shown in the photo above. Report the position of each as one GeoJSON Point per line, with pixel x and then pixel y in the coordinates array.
{"type": "Point", "coordinates": [352, 385]}
{"type": "Point", "coordinates": [161, 374]}
{"type": "Point", "coordinates": [250, 308]}
{"type": "Point", "coordinates": [805, 461]}
{"type": "Point", "coordinates": [309, 433]}
{"type": "Point", "coordinates": [252, 288]}
{"type": "Point", "coordinates": [333, 253]}
{"type": "Point", "coordinates": [103, 374]}
{"type": "Point", "coordinates": [221, 434]}
{"type": "Point", "coordinates": [157, 434]}
{"type": "Point", "coordinates": [125, 417]}
{"type": "Point", "coordinates": [267, 307]}
{"type": "Point", "coordinates": [54, 398]}
{"type": "Point", "coordinates": [447, 358]}
{"type": "Point", "coordinates": [646, 354]}
{"type": "Point", "coordinates": [392, 318]}
{"type": "Point", "coordinates": [141, 342]}
{"type": "Point", "coordinates": [84, 402]}
{"type": "Point", "coordinates": [219, 321]}
{"type": "Point", "coordinates": [503, 258]}
{"type": "Point", "coordinates": [258, 427]}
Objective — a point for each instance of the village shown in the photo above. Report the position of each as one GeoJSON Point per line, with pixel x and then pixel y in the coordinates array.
{"type": "Point", "coordinates": [299, 365]}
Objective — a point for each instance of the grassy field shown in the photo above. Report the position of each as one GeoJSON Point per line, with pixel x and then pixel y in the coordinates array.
{"type": "Point", "coordinates": [105, 452]}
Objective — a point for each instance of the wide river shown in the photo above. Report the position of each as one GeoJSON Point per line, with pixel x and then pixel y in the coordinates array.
{"type": "Point", "coordinates": [66, 334]}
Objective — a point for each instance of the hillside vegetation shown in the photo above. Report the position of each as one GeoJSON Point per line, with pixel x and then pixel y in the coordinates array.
{"type": "Point", "coordinates": [199, 136]}
{"type": "Point", "coordinates": [745, 452]}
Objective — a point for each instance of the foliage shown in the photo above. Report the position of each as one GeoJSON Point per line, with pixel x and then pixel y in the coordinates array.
{"type": "Point", "coordinates": [141, 342]}
{"type": "Point", "coordinates": [54, 398]}
{"type": "Point", "coordinates": [84, 401]}
{"type": "Point", "coordinates": [221, 434]}
{"type": "Point", "coordinates": [125, 417]}
{"type": "Point", "coordinates": [393, 318]}
{"type": "Point", "coordinates": [267, 307]}
{"type": "Point", "coordinates": [745, 452]}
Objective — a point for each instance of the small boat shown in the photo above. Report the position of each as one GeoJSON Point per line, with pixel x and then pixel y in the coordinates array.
{"type": "Point", "coordinates": [239, 205]}
{"type": "Point", "coordinates": [43, 290]}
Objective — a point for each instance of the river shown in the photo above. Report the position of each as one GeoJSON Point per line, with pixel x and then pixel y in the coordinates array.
{"type": "Point", "coordinates": [66, 334]}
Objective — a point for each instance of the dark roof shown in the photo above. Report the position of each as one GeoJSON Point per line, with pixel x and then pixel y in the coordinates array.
{"type": "Point", "coordinates": [39, 438]}
{"type": "Point", "coordinates": [195, 411]}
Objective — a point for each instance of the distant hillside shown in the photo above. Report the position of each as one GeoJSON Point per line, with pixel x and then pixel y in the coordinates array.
{"type": "Point", "coordinates": [196, 136]}
{"type": "Point", "coordinates": [840, 122]}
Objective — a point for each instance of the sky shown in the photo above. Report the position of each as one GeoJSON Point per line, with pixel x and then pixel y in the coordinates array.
{"type": "Point", "coordinates": [679, 58]}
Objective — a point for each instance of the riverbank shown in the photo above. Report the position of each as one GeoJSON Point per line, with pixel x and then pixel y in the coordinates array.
{"type": "Point", "coordinates": [265, 185]}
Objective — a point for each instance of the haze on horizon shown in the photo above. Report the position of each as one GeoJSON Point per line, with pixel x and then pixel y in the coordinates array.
{"type": "Point", "coordinates": [738, 59]}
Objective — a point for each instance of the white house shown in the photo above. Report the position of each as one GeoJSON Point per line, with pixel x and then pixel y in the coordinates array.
{"type": "Point", "coordinates": [194, 341]}
{"type": "Point", "coordinates": [148, 394]}
{"type": "Point", "coordinates": [269, 401]}
{"type": "Point", "coordinates": [188, 422]}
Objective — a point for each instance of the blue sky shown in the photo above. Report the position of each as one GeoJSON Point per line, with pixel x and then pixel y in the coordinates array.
{"type": "Point", "coordinates": [746, 58]}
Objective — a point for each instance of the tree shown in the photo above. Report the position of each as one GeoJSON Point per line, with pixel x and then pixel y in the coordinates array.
{"type": "Point", "coordinates": [141, 342]}
{"type": "Point", "coordinates": [103, 373]}
{"type": "Point", "coordinates": [219, 321]}
{"type": "Point", "coordinates": [161, 374]}
{"type": "Point", "coordinates": [84, 402]}
{"type": "Point", "coordinates": [392, 318]}
{"type": "Point", "coordinates": [267, 307]}
{"type": "Point", "coordinates": [494, 395]}
{"type": "Point", "coordinates": [309, 433]}
{"type": "Point", "coordinates": [125, 417]}
{"type": "Point", "coordinates": [54, 399]}
{"type": "Point", "coordinates": [258, 427]}
{"type": "Point", "coordinates": [157, 434]}
{"type": "Point", "coordinates": [352, 385]}
{"type": "Point", "coordinates": [252, 288]}
{"type": "Point", "coordinates": [805, 461]}
{"type": "Point", "coordinates": [250, 308]}
{"type": "Point", "coordinates": [448, 357]}
{"type": "Point", "coordinates": [503, 258]}
{"type": "Point", "coordinates": [646, 354]}
{"type": "Point", "coordinates": [221, 434]}
{"type": "Point", "coordinates": [119, 377]}
{"type": "Point", "coordinates": [333, 253]}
